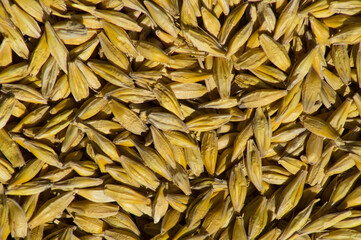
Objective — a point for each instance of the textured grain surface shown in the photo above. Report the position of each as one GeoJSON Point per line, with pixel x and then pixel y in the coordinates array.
{"type": "Point", "coordinates": [170, 119]}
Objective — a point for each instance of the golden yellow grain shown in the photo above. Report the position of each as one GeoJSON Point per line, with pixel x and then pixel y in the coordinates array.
{"type": "Point", "coordinates": [127, 118]}
{"type": "Point", "coordinates": [275, 52]}
{"type": "Point", "coordinates": [51, 209]}
{"type": "Point", "coordinates": [24, 93]}
{"type": "Point", "coordinates": [211, 23]}
{"type": "Point", "coordinates": [174, 119]}
{"type": "Point", "coordinates": [93, 210]}
{"type": "Point", "coordinates": [90, 225]}
{"type": "Point", "coordinates": [298, 221]}
{"type": "Point", "coordinates": [319, 127]}
{"type": "Point", "coordinates": [291, 194]}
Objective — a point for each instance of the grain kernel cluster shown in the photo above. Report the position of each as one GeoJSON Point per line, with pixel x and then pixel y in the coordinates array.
{"type": "Point", "coordinates": [180, 119]}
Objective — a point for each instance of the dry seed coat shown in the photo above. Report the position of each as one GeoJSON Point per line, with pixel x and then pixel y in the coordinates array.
{"type": "Point", "coordinates": [172, 119]}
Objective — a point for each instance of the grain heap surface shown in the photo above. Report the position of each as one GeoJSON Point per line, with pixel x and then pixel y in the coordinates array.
{"type": "Point", "coordinates": [190, 120]}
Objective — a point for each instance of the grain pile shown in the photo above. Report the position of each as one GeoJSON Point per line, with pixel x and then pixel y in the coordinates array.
{"type": "Point", "coordinates": [166, 119]}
